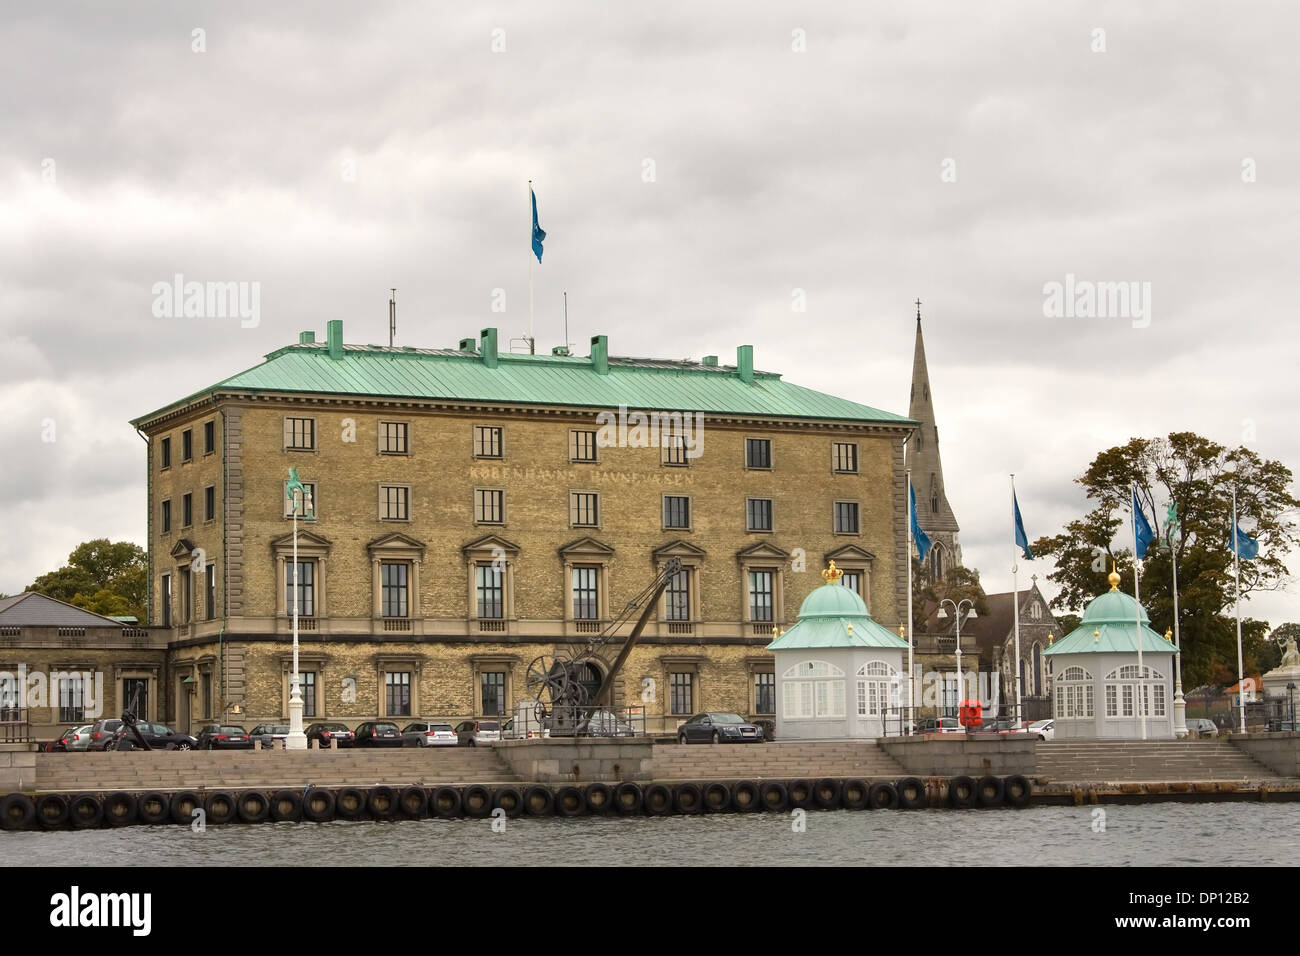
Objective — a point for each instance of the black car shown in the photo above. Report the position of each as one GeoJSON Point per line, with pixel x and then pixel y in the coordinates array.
{"type": "Point", "coordinates": [379, 733]}
{"type": "Point", "coordinates": [269, 734]}
{"type": "Point", "coordinates": [157, 736]}
{"type": "Point", "coordinates": [719, 728]}
{"type": "Point", "coordinates": [224, 737]}
{"type": "Point", "coordinates": [329, 734]}
{"type": "Point", "coordinates": [102, 731]}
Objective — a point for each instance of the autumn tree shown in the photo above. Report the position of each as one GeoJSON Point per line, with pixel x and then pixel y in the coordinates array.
{"type": "Point", "coordinates": [105, 577]}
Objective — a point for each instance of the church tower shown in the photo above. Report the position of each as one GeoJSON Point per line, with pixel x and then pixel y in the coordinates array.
{"type": "Point", "coordinates": [933, 512]}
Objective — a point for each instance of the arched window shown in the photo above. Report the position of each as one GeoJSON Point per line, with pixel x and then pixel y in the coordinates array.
{"type": "Point", "coordinates": [812, 690]}
{"type": "Point", "coordinates": [1073, 700]}
{"type": "Point", "coordinates": [936, 563]}
{"type": "Point", "coordinates": [879, 689]}
{"type": "Point", "coordinates": [1038, 670]}
{"type": "Point", "coordinates": [1024, 688]}
{"type": "Point", "coordinates": [1124, 688]}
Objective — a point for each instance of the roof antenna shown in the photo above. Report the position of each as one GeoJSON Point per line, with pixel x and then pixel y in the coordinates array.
{"type": "Point", "coordinates": [392, 316]}
{"type": "Point", "coordinates": [566, 322]}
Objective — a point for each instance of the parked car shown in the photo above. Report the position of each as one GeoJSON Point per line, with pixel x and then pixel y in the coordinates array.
{"type": "Point", "coordinates": [604, 723]}
{"type": "Point", "coordinates": [1043, 729]}
{"type": "Point", "coordinates": [223, 737]}
{"type": "Point", "coordinates": [269, 734]}
{"type": "Point", "coordinates": [1202, 726]}
{"type": "Point", "coordinates": [378, 733]}
{"type": "Point", "coordinates": [424, 734]}
{"type": "Point", "coordinates": [157, 736]}
{"type": "Point", "coordinates": [102, 731]}
{"type": "Point", "coordinates": [60, 743]}
{"type": "Point", "coordinates": [478, 733]}
{"type": "Point", "coordinates": [719, 728]}
{"type": "Point", "coordinates": [330, 734]}
{"type": "Point", "coordinates": [79, 741]}
{"type": "Point", "coordinates": [1275, 725]}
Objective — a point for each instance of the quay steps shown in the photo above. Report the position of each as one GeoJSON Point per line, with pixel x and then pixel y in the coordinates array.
{"type": "Point", "coordinates": [1147, 761]}
{"type": "Point", "coordinates": [232, 770]}
{"type": "Point", "coordinates": [773, 760]}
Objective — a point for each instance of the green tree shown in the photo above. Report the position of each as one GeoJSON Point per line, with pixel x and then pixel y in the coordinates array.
{"type": "Point", "coordinates": [1197, 475]}
{"type": "Point", "coordinates": [957, 584]}
{"type": "Point", "coordinates": [102, 576]}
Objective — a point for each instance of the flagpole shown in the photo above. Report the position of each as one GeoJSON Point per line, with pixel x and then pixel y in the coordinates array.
{"type": "Point", "coordinates": [911, 642]}
{"type": "Point", "coordinates": [1137, 598]}
{"type": "Point", "coordinates": [1180, 703]}
{"type": "Point", "coordinates": [1236, 574]}
{"type": "Point", "coordinates": [530, 277]}
{"type": "Point", "coordinates": [1015, 595]}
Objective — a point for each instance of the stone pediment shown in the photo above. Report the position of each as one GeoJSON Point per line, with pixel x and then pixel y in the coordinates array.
{"type": "Point", "coordinates": [762, 551]}
{"type": "Point", "coordinates": [183, 548]}
{"type": "Point", "coordinates": [850, 552]}
{"type": "Point", "coordinates": [677, 549]}
{"type": "Point", "coordinates": [305, 539]}
{"type": "Point", "coordinates": [585, 546]}
{"type": "Point", "coordinates": [488, 544]}
{"type": "Point", "coordinates": [396, 544]}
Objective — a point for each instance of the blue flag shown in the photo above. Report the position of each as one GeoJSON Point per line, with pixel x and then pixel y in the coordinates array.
{"type": "Point", "coordinates": [1141, 530]}
{"type": "Point", "coordinates": [1247, 548]}
{"type": "Point", "coordinates": [920, 537]}
{"type": "Point", "coordinates": [1022, 541]}
{"type": "Point", "coordinates": [538, 232]}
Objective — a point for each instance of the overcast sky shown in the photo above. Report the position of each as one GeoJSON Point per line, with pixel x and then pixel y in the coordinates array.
{"type": "Point", "coordinates": [695, 164]}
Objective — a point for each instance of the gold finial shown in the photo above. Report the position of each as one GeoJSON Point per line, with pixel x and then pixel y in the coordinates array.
{"type": "Point", "coordinates": [832, 574]}
{"type": "Point", "coordinates": [775, 630]}
{"type": "Point", "coordinates": [902, 632]}
{"type": "Point", "coordinates": [1169, 634]}
{"type": "Point", "coordinates": [1113, 577]}
{"type": "Point", "coordinates": [1096, 636]}
{"type": "Point", "coordinates": [850, 627]}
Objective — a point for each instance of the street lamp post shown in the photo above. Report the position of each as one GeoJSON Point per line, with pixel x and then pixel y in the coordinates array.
{"type": "Point", "coordinates": [1290, 690]}
{"type": "Point", "coordinates": [300, 500]}
{"type": "Point", "coordinates": [943, 616]}
{"type": "Point", "coordinates": [1168, 544]}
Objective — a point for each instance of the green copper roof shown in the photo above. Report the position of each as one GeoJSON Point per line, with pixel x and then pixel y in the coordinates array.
{"type": "Point", "coordinates": [1109, 626]}
{"type": "Point", "coordinates": [834, 616]}
{"type": "Point", "coordinates": [455, 375]}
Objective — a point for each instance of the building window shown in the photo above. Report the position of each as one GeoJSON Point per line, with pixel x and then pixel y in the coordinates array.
{"type": "Point", "coordinates": [300, 434]}
{"type": "Point", "coordinates": [187, 445]}
{"type": "Point", "coordinates": [812, 690]}
{"type": "Point", "coordinates": [844, 456]}
{"type": "Point", "coordinates": [307, 688]}
{"type": "Point", "coordinates": [764, 693]}
{"type": "Point", "coordinates": [397, 693]}
{"type": "Point", "coordinates": [209, 437]}
{"type": "Point", "coordinates": [758, 453]}
{"type": "Point", "coordinates": [1074, 695]}
{"type": "Point", "coordinates": [1035, 611]}
{"type": "Point", "coordinates": [394, 502]}
{"type": "Point", "coordinates": [209, 503]}
{"type": "Point", "coordinates": [210, 592]}
{"type": "Point", "coordinates": [9, 697]}
{"type": "Point", "coordinates": [936, 563]}
{"type": "Point", "coordinates": [135, 696]}
{"type": "Point", "coordinates": [674, 450]}
{"type": "Point", "coordinates": [166, 600]}
{"type": "Point", "coordinates": [1124, 683]}
{"type": "Point", "coordinates": [492, 685]}
{"type": "Point", "coordinates": [878, 689]}
{"type": "Point", "coordinates": [677, 512]}
{"type": "Point", "coordinates": [490, 585]}
{"type": "Point", "coordinates": [165, 453]}
{"type": "Point", "coordinates": [487, 441]}
{"type": "Point", "coordinates": [586, 594]}
{"type": "Point", "coordinates": [489, 505]}
{"type": "Point", "coordinates": [582, 445]}
{"type": "Point", "coordinates": [846, 517]}
{"type": "Point", "coordinates": [187, 510]}
{"type": "Point", "coordinates": [392, 438]}
{"type": "Point", "coordinates": [205, 693]}
{"type": "Point", "coordinates": [166, 516]}
{"type": "Point", "coordinates": [72, 699]}
{"type": "Point", "coordinates": [681, 693]}
{"type": "Point", "coordinates": [584, 509]}
{"type": "Point", "coordinates": [678, 596]}
{"type": "Point", "coordinates": [187, 596]}
{"type": "Point", "coordinates": [853, 581]}
{"type": "Point", "coordinates": [1038, 670]}
{"type": "Point", "coordinates": [395, 589]}
{"type": "Point", "coordinates": [758, 514]}
{"type": "Point", "coordinates": [306, 588]}
{"type": "Point", "coordinates": [305, 500]}
{"type": "Point", "coordinates": [760, 595]}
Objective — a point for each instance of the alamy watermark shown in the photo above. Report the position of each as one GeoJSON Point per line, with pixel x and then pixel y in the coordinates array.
{"type": "Point", "coordinates": [179, 299]}
{"type": "Point", "coordinates": [681, 432]}
{"type": "Point", "coordinates": [1086, 299]}
{"type": "Point", "coordinates": [79, 691]}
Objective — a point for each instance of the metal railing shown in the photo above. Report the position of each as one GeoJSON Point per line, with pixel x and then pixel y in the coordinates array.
{"type": "Point", "coordinates": [14, 726]}
{"type": "Point", "coordinates": [586, 720]}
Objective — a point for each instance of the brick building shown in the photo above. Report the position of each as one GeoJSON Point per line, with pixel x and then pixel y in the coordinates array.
{"type": "Point", "coordinates": [474, 509]}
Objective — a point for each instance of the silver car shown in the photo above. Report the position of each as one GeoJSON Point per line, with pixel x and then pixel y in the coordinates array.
{"type": "Point", "coordinates": [79, 739]}
{"type": "Point", "coordinates": [478, 733]}
{"type": "Point", "coordinates": [424, 734]}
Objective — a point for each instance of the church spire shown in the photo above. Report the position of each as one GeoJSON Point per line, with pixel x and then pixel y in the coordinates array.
{"type": "Point", "coordinates": [933, 512]}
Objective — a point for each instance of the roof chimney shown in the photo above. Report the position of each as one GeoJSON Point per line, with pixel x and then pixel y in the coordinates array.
{"type": "Point", "coordinates": [306, 338]}
{"type": "Point", "coordinates": [600, 354]}
{"type": "Point", "coordinates": [334, 338]}
{"type": "Point", "coordinates": [745, 363]}
{"type": "Point", "coordinates": [489, 345]}
{"type": "Point", "coordinates": [468, 345]}
{"type": "Point", "coordinates": [710, 360]}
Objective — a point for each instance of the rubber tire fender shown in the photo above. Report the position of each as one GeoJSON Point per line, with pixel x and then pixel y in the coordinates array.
{"type": "Point", "coordinates": [381, 802]}
{"type": "Point", "coordinates": [85, 811]}
{"type": "Point", "coordinates": [628, 797]}
{"type": "Point", "coordinates": [599, 798]}
{"type": "Point", "coordinates": [17, 811]}
{"type": "Point", "coordinates": [774, 795]}
{"type": "Point", "coordinates": [252, 806]}
{"type": "Point", "coordinates": [349, 803]}
{"type": "Point", "coordinates": [152, 808]}
{"type": "Point", "coordinates": [220, 807]}
{"type": "Point", "coordinates": [688, 798]}
{"type": "Point", "coordinates": [286, 806]}
{"type": "Point", "coordinates": [658, 800]}
{"type": "Point", "coordinates": [961, 792]}
{"type": "Point", "coordinates": [911, 793]}
{"type": "Point", "coordinates": [510, 800]}
{"type": "Point", "coordinates": [744, 797]}
{"type": "Point", "coordinates": [717, 797]}
{"type": "Point", "coordinates": [319, 804]}
{"type": "Point", "coordinates": [883, 795]}
{"type": "Point", "coordinates": [413, 802]}
{"type": "Point", "coordinates": [855, 795]}
{"type": "Point", "coordinates": [990, 791]}
{"type": "Point", "coordinates": [51, 810]}
{"type": "Point", "coordinates": [801, 794]}
{"type": "Point", "coordinates": [539, 801]}
{"type": "Point", "coordinates": [828, 793]}
{"type": "Point", "coordinates": [570, 801]}
{"type": "Point", "coordinates": [445, 802]}
{"type": "Point", "coordinates": [477, 801]}
{"type": "Point", "coordinates": [182, 806]}
{"type": "Point", "coordinates": [1017, 790]}
{"type": "Point", "coordinates": [120, 809]}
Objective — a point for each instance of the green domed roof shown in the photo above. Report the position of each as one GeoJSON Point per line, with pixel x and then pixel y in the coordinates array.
{"type": "Point", "coordinates": [1114, 607]}
{"type": "Point", "coordinates": [833, 600]}
{"type": "Point", "coordinates": [1110, 625]}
